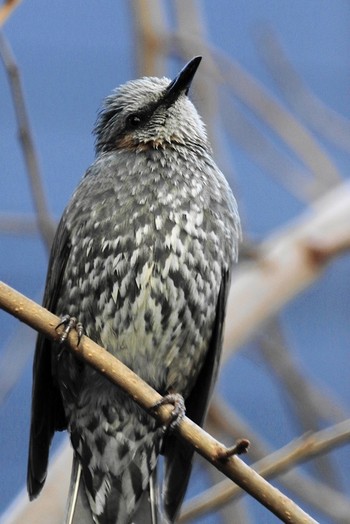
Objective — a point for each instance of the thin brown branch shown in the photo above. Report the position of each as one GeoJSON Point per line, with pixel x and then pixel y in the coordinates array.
{"type": "Point", "coordinates": [223, 419]}
{"type": "Point", "coordinates": [7, 9]}
{"type": "Point", "coordinates": [285, 458]}
{"type": "Point", "coordinates": [42, 320]}
{"type": "Point", "coordinates": [46, 224]}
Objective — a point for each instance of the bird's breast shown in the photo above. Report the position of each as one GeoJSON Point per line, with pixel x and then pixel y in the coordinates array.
{"type": "Point", "coordinates": [146, 265]}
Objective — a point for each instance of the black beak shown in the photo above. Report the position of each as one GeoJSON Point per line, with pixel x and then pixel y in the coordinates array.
{"type": "Point", "coordinates": [183, 80]}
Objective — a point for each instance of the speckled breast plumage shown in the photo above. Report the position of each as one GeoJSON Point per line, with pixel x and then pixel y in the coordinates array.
{"type": "Point", "coordinates": [149, 241]}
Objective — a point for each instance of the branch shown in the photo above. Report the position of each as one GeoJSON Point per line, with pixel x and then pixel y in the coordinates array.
{"type": "Point", "coordinates": [7, 9]}
{"type": "Point", "coordinates": [18, 224]}
{"type": "Point", "coordinates": [332, 504]}
{"type": "Point", "coordinates": [45, 223]}
{"type": "Point", "coordinates": [280, 461]}
{"type": "Point", "coordinates": [45, 322]}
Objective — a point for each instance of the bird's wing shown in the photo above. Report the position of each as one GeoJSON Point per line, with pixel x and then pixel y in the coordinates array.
{"type": "Point", "coordinates": [47, 408]}
{"type": "Point", "coordinates": [178, 455]}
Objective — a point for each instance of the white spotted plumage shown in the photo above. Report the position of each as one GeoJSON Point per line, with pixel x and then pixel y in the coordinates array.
{"type": "Point", "coordinates": [142, 258]}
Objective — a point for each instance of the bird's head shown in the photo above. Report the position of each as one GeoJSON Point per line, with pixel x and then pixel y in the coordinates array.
{"type": "Point", "coordinates": [151, 113]}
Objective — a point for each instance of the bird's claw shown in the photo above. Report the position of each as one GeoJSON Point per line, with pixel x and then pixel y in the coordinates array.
{"type": "Point", "coordinates": [70, 323]}
{"type": "Point", "coordinates": [178, 412]}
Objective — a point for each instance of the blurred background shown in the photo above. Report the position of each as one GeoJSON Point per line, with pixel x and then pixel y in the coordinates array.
{"type": "Point", "coordinates": [274, 91]}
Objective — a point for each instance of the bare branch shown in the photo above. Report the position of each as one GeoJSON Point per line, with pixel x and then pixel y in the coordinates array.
{"type": "Point", "coordinates": [7, 9]}
{"type": "Point", "coordinates": [46, 225]}
{"type": "Point", "coordinates": [267, 155]}
{"type": "Point", "coordinates": [42, 320]}
{"type": "Point", "coordinates": [228, 422]}
{"type": "Point", "coordinates": [295, 452]}
{"type": "Point", "coordinates": [310, 404]}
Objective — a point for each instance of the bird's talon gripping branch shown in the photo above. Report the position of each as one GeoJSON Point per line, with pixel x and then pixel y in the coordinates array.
{"type": "Point", "coordinates": [179, 411]}
{"type": "Point", "coordinates": [70, 323]}
{"type": "Point", "coordinates": [239, 448]}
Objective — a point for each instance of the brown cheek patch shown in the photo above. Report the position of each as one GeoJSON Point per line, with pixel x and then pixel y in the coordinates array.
{"type": "Point", "coordinates": [128, 142]}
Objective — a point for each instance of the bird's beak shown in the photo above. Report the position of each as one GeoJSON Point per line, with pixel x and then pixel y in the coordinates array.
{"type": "Point", "coordinates": [183, 80]}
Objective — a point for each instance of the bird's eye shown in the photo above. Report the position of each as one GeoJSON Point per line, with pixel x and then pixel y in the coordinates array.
{"type": "Point", "coordinates": [133, 120]}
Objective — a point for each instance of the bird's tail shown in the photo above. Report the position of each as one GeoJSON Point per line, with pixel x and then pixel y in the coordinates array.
{"type": "Point", "coordinates": [78, 509]}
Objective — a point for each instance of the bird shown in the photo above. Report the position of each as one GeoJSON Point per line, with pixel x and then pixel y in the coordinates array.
{"type": "Point", "coordinates": [142, 257]}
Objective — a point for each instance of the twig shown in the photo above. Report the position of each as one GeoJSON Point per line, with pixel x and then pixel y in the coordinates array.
{"type": "Point", "coordinates": [302, 486]}
{"type": "Point", "coordinates": [46, 225]}
{"type": "Point", "coordinates": [295, 452]}
{"type": "Point", "coordinates": [7, 9]}
{"type": "Point", "coordinates": [42, 320]}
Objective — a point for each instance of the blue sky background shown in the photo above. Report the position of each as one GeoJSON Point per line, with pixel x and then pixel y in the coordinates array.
{"type": "Point", "coordinates": [71, 55]}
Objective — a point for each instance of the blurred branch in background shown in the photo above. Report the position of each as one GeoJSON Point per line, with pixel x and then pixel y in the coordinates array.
{"type": "Point", "coordinates": [7, 9]}
{"type": "Point", "coordinates": [149, 20]}
{"type": "Point", "coordinates": [45, 222]}
{"type": "Point", "coordinates": [333, 126]}
{"type": "Point", "coordinates": [49, 508]}
{"type": "Point", "coordinates": [289, 260]}
{"type": "Point", "coordinates": [310, 406]}
{"type": "Point", "coordinates": [16, 224]}
{"type": "Point", "coordinates": [13, 359]}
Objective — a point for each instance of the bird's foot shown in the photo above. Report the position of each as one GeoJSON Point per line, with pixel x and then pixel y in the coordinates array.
{"type": "Point", "coordinates": [240, 447]}
{"type": "Point", "coordinates": [179, 411]}
{"type": "Point", "coordinates": [70, 323]}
